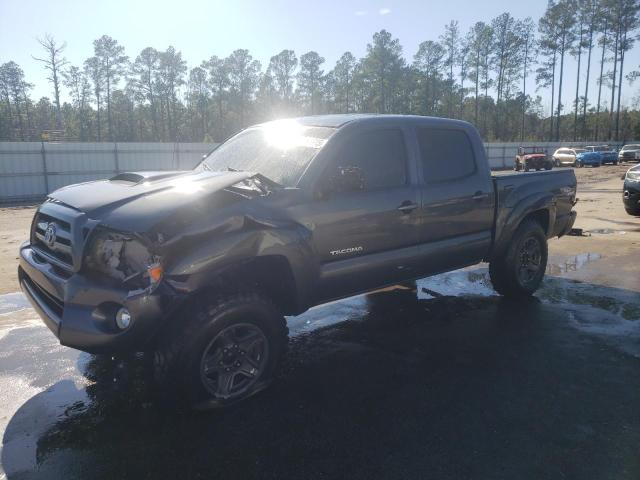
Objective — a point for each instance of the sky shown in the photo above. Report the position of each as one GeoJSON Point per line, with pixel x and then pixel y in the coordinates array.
{"type": "Point", "coordinates": [200, 29]}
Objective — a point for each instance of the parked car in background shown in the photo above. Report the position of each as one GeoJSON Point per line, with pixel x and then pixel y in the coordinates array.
{"type": "Point", "coordinates": [631, 191]}
{"type": "Point", "coordinates": [566, 156]}
{"type": "Point", "coordinates": [588, 158]}
{"type": "Point", "coordinates": [607, 153]}
{"type": "Point", "coordinates": [532, 158]}
{"type": "Point", "coordinates": [629, 153]}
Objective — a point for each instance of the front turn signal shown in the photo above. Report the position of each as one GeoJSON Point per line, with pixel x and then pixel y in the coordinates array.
{"type": "Point", "coordinates": [155, 273]}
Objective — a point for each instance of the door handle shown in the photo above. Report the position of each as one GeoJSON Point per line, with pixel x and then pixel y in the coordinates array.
{"type": "Point", "coordinates": [480, 195]}
{"type": "Point", "coordinates": [407, 207]}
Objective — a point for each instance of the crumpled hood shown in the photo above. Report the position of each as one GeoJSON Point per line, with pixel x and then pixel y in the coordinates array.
{"type": "Point", "coordinates": [132, 201]}
{"type": "Point", "coordinates": [535, 155]}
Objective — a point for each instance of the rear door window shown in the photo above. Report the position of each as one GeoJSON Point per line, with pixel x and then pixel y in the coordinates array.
{"type": "Point", "coordinates": [381, 157]}
{"type": "Point", "coordinates": [446, 154]}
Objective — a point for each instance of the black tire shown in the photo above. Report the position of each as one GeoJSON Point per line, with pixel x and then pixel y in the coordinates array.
{"type": "Point", "coordinates": [205, 328]}
{"type": "Point", "coordinates": [526, 167]}
{"type": "Point", "coordinates": [506, 271]}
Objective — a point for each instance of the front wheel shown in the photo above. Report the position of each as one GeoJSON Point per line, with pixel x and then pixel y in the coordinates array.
{"type": "Point", "coordinates": [224, 351]}
{"type": "Point", "coordinates": [518, 272]}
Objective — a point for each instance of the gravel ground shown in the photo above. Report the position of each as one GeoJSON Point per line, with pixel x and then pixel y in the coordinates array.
{"type": "Point", "coordinates": [455, 383]}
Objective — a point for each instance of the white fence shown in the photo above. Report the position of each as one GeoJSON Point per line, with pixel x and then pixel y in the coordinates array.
{"type": "Point", "coordinates": [30, 170]}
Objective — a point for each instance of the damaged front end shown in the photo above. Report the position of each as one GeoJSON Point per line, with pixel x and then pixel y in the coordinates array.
{"type": "Point", "coordinates": [128, 259]}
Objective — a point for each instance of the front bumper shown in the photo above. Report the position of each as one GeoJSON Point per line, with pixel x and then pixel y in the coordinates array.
{"type": "Point", "coordinates": [81, 311]}
{"type": "Point", "coordinates": [629, 156]}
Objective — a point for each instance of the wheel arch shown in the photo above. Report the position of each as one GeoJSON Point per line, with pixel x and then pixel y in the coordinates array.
{"type": "Point", "coordinates": [539, 208]}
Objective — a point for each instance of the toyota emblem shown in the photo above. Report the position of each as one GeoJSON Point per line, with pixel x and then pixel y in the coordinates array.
{"type": "Point", "coordinates": [50, 235]}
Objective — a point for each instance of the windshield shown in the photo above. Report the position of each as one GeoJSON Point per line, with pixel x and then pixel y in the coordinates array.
{"type": "Point", "coordinates": [579, 150]}
{"type": "Point", "coordinates": [279, 150]}
{"type": "Point", "coordinates": [631, 147]}
{"type": "Point", "coordinates": [603, 148]}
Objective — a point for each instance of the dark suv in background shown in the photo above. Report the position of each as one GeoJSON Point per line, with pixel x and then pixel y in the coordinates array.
{"type": "Point", "coordinates": [631, 191]}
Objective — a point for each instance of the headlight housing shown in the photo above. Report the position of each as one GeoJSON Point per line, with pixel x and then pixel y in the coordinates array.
{"type": "Point", "coordinates": [123, 257]}
{"type": "Point", "coordinates": [633, 176]}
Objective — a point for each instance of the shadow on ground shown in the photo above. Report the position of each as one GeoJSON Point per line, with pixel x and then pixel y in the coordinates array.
{"type": "Point", "coordinates": [448, 387]}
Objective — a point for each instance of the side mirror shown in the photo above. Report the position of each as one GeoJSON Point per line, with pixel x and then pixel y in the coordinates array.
{"type": "Point", "coordinates": [345, 179]}
{"type": "Point", "coordinates": [624, 175]}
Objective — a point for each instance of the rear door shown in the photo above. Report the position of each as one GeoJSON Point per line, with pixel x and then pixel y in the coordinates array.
{"type": "Point", "coordinates": [457, 199]}
{"type": "Point", "coordinates": [363, 236]}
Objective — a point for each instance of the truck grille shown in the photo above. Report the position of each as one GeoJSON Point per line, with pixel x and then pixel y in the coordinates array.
{"type": "Point", "coordinates": [56, 246]}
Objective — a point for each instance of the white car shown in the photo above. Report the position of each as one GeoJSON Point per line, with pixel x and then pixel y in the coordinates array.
{"type": "Point", "coordinates": [566, 156]}
{"type": "Point", "coordinates": [629, 153]}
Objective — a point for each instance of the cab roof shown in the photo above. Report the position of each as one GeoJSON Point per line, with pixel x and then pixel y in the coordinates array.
{"type": "Point", "coordinates": [340, 120]}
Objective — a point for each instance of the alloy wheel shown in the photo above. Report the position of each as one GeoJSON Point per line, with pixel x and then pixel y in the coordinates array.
{"type": "Point", "coordinates": [234, 360]}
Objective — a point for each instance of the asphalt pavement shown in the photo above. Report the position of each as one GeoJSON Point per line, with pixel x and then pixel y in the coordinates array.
{"type": "Point", "coordinates": [449, 381]}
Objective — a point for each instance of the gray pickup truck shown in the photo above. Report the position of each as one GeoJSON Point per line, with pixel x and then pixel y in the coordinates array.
{"type": "Point", "coordinates": [199, 268]}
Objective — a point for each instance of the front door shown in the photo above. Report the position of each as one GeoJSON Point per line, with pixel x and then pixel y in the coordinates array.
{"type": "Point", "coordinates": [361, 235]}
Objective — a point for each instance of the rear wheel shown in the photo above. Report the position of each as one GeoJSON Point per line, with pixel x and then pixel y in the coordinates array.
{"type": "Point", "coordinates": [224, 351]}
{"type": "Point", "coordinates": [519, 271]}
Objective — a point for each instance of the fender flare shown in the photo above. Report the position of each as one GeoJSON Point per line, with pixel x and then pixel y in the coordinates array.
{"type": "Point", "coordinates": [211, 260]}
{"type": "Point", "coordinates": [510, 219]}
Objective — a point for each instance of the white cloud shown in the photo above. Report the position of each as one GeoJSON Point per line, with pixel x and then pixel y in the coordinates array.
{"type": "Point", "coordinates": [361, 13]}
{"type": "Point", "coordinates": [384, 11]}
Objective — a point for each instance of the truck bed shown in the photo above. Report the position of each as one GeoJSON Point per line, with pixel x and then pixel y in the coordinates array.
{"type": "Point", "coordinates": [554, 190]}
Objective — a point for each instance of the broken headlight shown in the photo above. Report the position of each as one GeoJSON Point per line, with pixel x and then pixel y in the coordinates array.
{"type": "Point", "coordinates": [125, 258]}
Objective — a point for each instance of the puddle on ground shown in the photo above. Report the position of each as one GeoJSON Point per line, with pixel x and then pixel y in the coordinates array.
{"type": "Point", "coordinates": [12, 302]}
{"type": "Point", "coordinates": [571, 264]}
{"type": "Point", "coordinates": [459, 283]}
{"type": "Point", "coordinates": [606, 231]}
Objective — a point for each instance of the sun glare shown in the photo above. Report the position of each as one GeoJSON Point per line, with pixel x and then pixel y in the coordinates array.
{"type": "Point", "coordinates": [284, 134]}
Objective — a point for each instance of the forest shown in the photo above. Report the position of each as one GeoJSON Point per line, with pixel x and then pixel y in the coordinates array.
{"type": "Point", "coordinates": [493, 75]}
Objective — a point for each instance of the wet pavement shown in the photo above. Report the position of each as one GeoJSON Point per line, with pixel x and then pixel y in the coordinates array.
{"type": "Point", "coordinates": [449, 381]}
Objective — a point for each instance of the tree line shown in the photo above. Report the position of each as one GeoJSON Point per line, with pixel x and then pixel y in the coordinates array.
{"type": "Point", "coordinates": [493, 75]}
